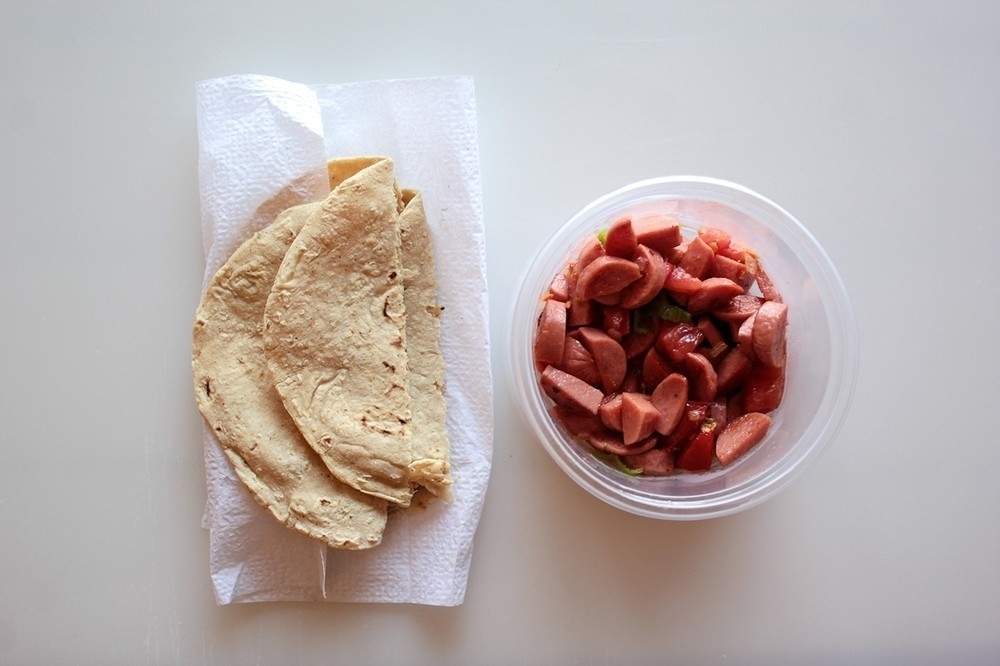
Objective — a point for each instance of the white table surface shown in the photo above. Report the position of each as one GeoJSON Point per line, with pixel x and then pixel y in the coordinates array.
{"type": "Point", "coordinates": [876, 123]}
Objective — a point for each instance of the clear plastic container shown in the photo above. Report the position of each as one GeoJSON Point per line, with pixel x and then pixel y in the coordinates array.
{"type": "Point", "coordinates": [822, 350]}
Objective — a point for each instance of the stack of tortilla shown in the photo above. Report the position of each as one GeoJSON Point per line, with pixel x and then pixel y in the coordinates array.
{"type": "Point", "coordinates": [317, 362]}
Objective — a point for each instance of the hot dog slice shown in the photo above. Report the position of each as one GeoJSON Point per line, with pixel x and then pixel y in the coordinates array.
{"type": "Point", "coordinates": [611, 442]}
{"type": "Point", "coordinates": [733, 371]}
{"type": "Point", "coordinates": [639, 417]}
{"type": "Point", "coordinates": [579, 362]}
{"type": "Point", "coordinates": [769, 333]}
{"type": "Point", "coordinates": [551, 333]}
{"type": "Point", "coordinates": [659, 232]}
{"type": "Point", "coordinates": [654, 462]}
{"type": "Point", "coordinates": [738, 308]}
{"type": "Point", "coordinates": [698, 258]}
{"type": "Point", "coordinates": [570, 391]}
{"type": "Point", "coordinates": [670, 399]}
{"type": "Point", "coordinates": [655, 369]}
{"type": "Point", "coordinates": [654, 272]}
{"type": "Point", "coordinates": [605, 276]}
{"type": "Point", "coordinates": [703, 378]}
{"type": "Point", "coordinates": [610, 412]}
{"type": "Point", "coordinates": [620, 239]}
{"type": "Point", "coordinates": [609, 356]}
{"type": "Point", "coordinates": [713, 292]}
{"type": "Point", "coordinates": [740, 436]}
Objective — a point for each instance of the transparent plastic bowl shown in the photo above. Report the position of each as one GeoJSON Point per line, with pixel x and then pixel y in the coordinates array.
{"type": "Point", "coordinates": [822, 350]}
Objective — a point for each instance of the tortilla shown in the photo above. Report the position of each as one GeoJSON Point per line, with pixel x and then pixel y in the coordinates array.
{"type": "Point", "coordinates": [237, 398]}
{"type": "Point", "coordinates": [429, 443]}
{"type": "Point", "coordinates": [335, 338]}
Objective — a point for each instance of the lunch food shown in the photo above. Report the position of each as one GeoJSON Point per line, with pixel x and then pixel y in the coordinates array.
{"type": "Point", "coordinates": [663, 353]}
{"type": "Point", "coordinates": [302, 354]}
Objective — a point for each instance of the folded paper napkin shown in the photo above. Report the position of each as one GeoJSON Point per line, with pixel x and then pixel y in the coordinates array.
{"type": "Point", "coordinates": [257, 135]}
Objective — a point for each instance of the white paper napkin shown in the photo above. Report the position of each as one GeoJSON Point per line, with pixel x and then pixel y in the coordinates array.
{"type": "Point", "coordinates": [256, 135]}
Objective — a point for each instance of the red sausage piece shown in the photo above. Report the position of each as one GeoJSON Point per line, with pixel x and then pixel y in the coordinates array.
{"type": "Point", "coordinates": [610, 412]}
{"type": "Point", "coordinates": [609, 356]}
{"type": "Point", "coordinates": [704, 379]}
{"type": "Point", "coordinates": [769, 333]}
{"type": "Point", "coordinates": [698, 258]}
{"type": "Point", "coordinates": [741, 435]}
{"type": "Point", "coordinates": [654, 272]}
{"type": "Point", "coordinates": [551, 333]}
{"type": "Point", "coordinates": [713, 292]}
{"type": "Point", "coordinates": [579, 362]}
{"type": "Point", "coordinates": [592, 249]}
{"type": "Point", "coordinates": [738, 308]}
{"type": "Point", "coordinates": [620, 239]}
{"type": "Point", "coordinates": [569, 391]}
{"type": "Point", "coordinates": [660, 232]}
{"type": "Point", "coordinates": [654, 462]}
{"type": "Point", "coordinates": [670, 399]}
{"type": "Point", "coordinates": [605, 276]}
{"type": "Point", "coordinates": [655, 369]}
{"type": "Point", "coordinates": [733, 371]}
{"type": "Point", "coordinates": [639, 417]}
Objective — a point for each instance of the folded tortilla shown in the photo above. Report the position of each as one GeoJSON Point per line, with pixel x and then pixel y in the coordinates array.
{"type": "Point", "coordinates": [335, 337]}
{"type": "Point", "coordinates": [237, 397]}
{"type": "Point", "coordinates": [430, 448]}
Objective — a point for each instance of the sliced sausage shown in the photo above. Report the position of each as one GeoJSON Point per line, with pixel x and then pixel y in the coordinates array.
{"type": "Point", "coordinates": [654, 272]}
{"type": "Point", "coordinates": [769, 333]}
{"type": "Point", "coordinates": [680, 282]}
{"type": "Point", "coordinates": [639, 417]}
{"type": "Point", "coordinates": [577, 424]}
{"type": "Point", "coordinates": [659, 232]}
{"type": "Point", "coordinates": [745, 336]}
{"type": "Point", "coordinates": [592, 249]}
{"type": "Point", "coordinates": [655, 369]}
{"type": "Point", "coordinates": [569, 391]}
{"type": "Point", "coordinates": [561, 286]}
{"type": "Point", "coordinates": [767, 287]}
{"type": "Point", "coordinates": [579, 362]}
{"type": "Point", "coordinates": [703, 378]}
{"type": "Point", "coordinates": [610, 411]}
{"type": "Point", "coordinates": [733, 371]}
{"type": "Point", "coordinates": [740, 435]}
{"type": "Point", "coordinates": [609, 356]}
{"type": "Point", "coordinates": [582, 312]}
{"type": "Point", "coordinates": [698, 259]}
{"type": "Point", "coordinates": [716, 238]}
{"type": "Point", "coordinates": [738, 308]}
{"type": "Point", "coordinates": [611, 442]}
{"type": "Point", "coordinates": [670, 398]}
{"type": "Point", "coordinates": [713, 291]}
{"type": "Point", "coordinates": [551, 333]}
{"type": "Point", "coordinates": [723, 266]}
{"type": "Point", "coordinates": [654, 462]}
{"type": "Point", "coordinates": [620, 239]}
{"type": "Point", "coordinates": [605, 276]}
